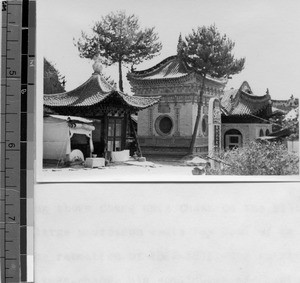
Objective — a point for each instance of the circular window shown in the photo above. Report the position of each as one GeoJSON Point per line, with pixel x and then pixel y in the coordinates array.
{"type": "Point", "coordinates": [204, 125]}
{"type": "Point", "coordinates": [164, 125]}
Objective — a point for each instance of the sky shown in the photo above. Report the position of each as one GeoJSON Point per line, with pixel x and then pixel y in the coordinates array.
{"type": "Point", "coordinates": [266, 32]}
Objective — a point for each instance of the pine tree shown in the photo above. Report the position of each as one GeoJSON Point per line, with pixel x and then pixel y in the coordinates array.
{"type": "Point", "coordinates": [118, 38]}
{"type": "Point", "coordinates": [209, 53]}
{"type": "Point", "coordinates": [54, 82]}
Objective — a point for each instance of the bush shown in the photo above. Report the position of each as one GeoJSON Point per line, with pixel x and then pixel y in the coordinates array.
{"type": "Point", "coordinates": [258, 158]}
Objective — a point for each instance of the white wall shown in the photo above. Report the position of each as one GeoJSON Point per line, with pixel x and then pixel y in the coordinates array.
{"type": "Point", "coordinates": [255, 129]}
{"type": "Point", "coordinates": [185, 119]}
{"type": "Point", "coordinates": [249, 131]}
{"type": "Point", "coordinates": [186, 126]}
{"type": "Point", "coordinates": [55, 138]}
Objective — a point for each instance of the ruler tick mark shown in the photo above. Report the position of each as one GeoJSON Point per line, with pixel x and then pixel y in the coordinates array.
{"type": "Point", "coordinates": [17, 269]}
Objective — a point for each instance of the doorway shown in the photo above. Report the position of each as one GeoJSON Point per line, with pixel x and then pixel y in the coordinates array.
{"type": "Point", "coordinates": [233, 139]}
{"type": "Point", "coordinates": [114, 138]}
{"type": "Point", "coordinates": [81, 142]}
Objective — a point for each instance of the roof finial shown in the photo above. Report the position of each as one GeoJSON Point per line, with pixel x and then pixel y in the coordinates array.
{"type": "Point", "coordinates": [267, 92]}
{"type": "Point", "coordinates": [180, 45]}
{"type": "Point", "coordinates": [97, 66]}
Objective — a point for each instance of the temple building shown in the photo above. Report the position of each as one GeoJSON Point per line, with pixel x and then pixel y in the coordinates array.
{"type": "Point", "coordinates": [244, 116]}
{"type": "Point", "coordinates": [166, 128]}
{"type": "Point", "coordinates": [109, 110]}
{"type": "Point", "coordinates": [285, 105]}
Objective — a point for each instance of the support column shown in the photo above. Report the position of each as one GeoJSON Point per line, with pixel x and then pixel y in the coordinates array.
{"type": "Point", "coordinates": [177, 120]}
{"type": "Point", "coordinates": [150, 120]}
{"type": "Point", "coordinates": [105, 134]}
{"type": "Point", "coordinates": [214, 129]}
{"type": "Point", "coordinates": [124, 130]}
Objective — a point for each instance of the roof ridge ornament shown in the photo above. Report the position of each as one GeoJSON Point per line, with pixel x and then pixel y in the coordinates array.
{"type": "Point", "coordinates": [180, 46]}
{"type": "Point", "coordinates": [97, 66]}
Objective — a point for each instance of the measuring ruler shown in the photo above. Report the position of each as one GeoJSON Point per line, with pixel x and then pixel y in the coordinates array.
{"type": "Point", "coordinates": [17, 139]}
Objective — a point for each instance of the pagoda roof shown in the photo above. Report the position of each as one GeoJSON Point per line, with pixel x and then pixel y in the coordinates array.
{"type": "Point", "coordinates": [71, 118]}
{"type": "Point", "coordinates": [243, 102]}
{"type": "Point", "coordinates": [278, 111]}
{"type": "Point", "coordinates": [96, 90]}
{"type": "Point", "coordinates": [170, 68]}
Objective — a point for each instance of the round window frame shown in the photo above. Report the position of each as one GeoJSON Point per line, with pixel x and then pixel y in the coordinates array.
{"type": "Point", "coordinates": [157, 122]}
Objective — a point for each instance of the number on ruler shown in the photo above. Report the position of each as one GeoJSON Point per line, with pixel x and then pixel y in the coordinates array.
{"type": "Point", "coordinates": [12, 218]}
{"type": "Point", "coordinates": [11, 145]}
{"type": "Point", "coordinates": [4, 6]}
{"type": "Point", "coordinates": [31, 63]}
{"type": "Point", "coordinates": [23, 91]}
{"type": "Point", "coordinates": [12, 73]}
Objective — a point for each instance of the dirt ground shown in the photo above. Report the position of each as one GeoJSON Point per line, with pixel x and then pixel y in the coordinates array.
{"type": "Point", "coordinates": [153, 169]}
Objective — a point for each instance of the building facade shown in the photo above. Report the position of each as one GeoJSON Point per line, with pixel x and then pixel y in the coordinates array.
{"type": "Point", "coordinates": [244, 116]}
{"type": "Point", "coordinates": [109, 109]}
{"type": "Point", "coordinates": [166, 128]}
{"type": "Point", "coordinates": [286, 105]}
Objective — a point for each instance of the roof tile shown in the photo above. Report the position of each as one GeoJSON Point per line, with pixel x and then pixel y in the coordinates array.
{"type": "Point", "coordinates": [241, 102]}
{"type": "Point", "coordinates": [170, 68]}
{"type": "Point", "coordinates": [94, 91]}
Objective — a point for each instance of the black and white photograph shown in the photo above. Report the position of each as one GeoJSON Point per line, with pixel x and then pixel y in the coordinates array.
{"type": "Point", "coordinates": [182, 90]}
{"type": "Point", "coordinates": [149, 141]}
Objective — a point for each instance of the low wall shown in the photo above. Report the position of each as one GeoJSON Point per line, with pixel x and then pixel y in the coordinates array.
{"type": "Point", "coordinates": [175, 145]}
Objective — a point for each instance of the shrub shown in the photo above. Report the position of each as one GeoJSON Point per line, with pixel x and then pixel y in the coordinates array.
{"type": "Point", "coordinates": [258, 158]}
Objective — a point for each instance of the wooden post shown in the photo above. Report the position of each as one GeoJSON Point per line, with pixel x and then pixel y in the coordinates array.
{"type": "Point", "coordinates": [102, 139]}
{"type": "Point", "coordinates": [105, 133]}
{"type": "Point", "coordinates": [135, 136]}
{"type": "Point", "coordinates": [124, 131]}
